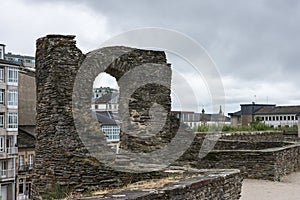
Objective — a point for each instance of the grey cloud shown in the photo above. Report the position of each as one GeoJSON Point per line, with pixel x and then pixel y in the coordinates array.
{"type": "Point", "coordinates": [253, 42]}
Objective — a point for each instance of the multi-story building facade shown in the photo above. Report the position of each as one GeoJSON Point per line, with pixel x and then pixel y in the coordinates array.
{"type": "Point", "coordinates": [8, 125]}
{"type": "Point", "coordinates": [24, 164]}
{"type": "Point", "coordinates": [105, 105]}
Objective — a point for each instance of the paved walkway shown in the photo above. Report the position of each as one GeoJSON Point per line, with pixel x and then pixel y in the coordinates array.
{"type": "Point", "coordinates": [287, 189]}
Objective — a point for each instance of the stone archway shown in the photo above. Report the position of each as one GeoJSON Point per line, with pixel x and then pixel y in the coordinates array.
{"type": "Point", "coordinates": [61, 156]}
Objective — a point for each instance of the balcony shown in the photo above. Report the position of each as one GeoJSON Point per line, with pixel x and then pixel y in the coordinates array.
{"type": "Point", "coordinates": [12, 150]}
{"type": "Point", "coordinates": [7, 174]}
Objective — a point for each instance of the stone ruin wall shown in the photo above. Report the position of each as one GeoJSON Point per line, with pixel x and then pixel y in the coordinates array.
{"type": "Point", "coordinates": [61, 157]}
{"type": "Point", "coordinates": [259, 155]}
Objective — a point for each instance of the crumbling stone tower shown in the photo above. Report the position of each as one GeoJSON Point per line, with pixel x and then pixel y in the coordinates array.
{"type": "Point", "coordinates": [61, 157]}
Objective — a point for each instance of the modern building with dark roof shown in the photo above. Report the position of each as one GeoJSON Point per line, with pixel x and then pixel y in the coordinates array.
{"type": "Point", "coordinates": [269, 114]}
{"type": "Point", "coordinates": [245, 116]}
{"type": "Point", "coordinates": [279, 116]}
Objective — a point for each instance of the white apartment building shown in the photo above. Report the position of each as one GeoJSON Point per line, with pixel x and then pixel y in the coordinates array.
{"type": "Point", "coordinates": [278, 116]}
{"type": "Point", "coordinates": [8, 125]}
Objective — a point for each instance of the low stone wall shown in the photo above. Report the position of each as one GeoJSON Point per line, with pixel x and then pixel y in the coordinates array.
{"type": "Point", "coordinates": [259, 160]}
{"type": "Point", "coordinates": [245, 145]}
{"type": "Point", "coordinates": [254, 136]}
{"type": "Point", "coordinates": [209, 184]}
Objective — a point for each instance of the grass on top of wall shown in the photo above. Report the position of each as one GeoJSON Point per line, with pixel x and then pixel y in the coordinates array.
{"type": "Point", "coordinates": [254, 126]}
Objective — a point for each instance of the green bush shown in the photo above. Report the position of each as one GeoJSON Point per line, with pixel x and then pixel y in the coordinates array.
{"type": "Point", "coordinates": [56, 192]}
{"type": "Point", "coordinates": [201, 128]}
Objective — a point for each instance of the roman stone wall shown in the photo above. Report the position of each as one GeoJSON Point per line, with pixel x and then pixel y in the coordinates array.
{"type": "Point", "coordinates": [206, 184]}
{"type": "Point", "coordinates": [61, 157]}
{"type": "Point", "coordinates": [258, 136]}
{"type": "Point", "coordinates": [255, 159]}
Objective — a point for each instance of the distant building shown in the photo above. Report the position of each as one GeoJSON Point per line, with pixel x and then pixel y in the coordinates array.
{"type": "Point", "coordinates": [109, 125]}
{"type": "Point", "coordinates": [269, 114]}
{"type": "Point", "coordinates": [245, 116]}
{"type": "Point", "coordinates": [8, 125]}
{"type": "Point", "coordinates": [26, 61]}
{"type": "Point", "coordinates": [106, 102]}
{"type": "Point", "coordinates": [193, 119]}
{"type": "Point", "coordinates": [98, 92]}
{"type": "Point", "coordinates": [278, 116]}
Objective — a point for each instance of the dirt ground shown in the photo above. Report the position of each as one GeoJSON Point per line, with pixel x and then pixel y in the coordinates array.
{"type": "Point", "coordinates": [287, 189]}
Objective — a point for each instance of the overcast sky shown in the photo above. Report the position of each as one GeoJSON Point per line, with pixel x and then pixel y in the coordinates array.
{"type": "Point", "coordinates": [254, 44]}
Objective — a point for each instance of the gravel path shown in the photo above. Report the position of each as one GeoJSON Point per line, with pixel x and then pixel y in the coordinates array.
{"type": "Point", "coordinates": [287, 189]}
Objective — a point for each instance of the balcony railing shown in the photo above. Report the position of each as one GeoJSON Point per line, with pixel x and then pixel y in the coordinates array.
{"type": "Point", "coordinates": [12, 150]}
{"type": "Point", "coordinates": [7, 173]}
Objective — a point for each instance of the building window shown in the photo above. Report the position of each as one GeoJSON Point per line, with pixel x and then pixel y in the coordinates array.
{"type": "Point", "coordinates": [30, 161]}
{"type": "Point", "coordinates": [21, 162]}
{"type": "Point", "coordinates": [4, 168]}
{"type": "Point", "coordinates": [112, 132]}
{"type": "Point", "coordinates": [293, 118]}
{"type": "Point", "coordinates": [21, 186]}
{"type": "Point", "coordinates": [1, 74]}
{"type": "Point", "coordinates": [288, 118]}
{"type": "Point", "coordinates": [2, 93]}
{"type": "Point", "coordinates": [12, 75]}
{"type": "Point", "coordinates": [266, 118]}
{"type": "Point", "coordinates": [12, 120]}
{"type": "Point", "coordinates": [277, 118]}
{"type": "Point", "coordinates": [2, 145]}
{"type": "Point", "coordinates": [270, 118]}
{"type": "Point", "coordinates": [280, 118]}
{"type": "Point", "coordinates": [284, 117]}
{"type": "Point", "coordinates": [12, 98]}
{"type": "Point", "coordinates": [262, 118]}
{"type": "Point", "coordinates": [1, 120]}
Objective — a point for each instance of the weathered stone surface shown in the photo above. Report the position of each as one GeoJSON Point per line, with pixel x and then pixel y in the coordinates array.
{"type": "Point", "coordinates": [206, 184]}
{"type": "Point", "coordinates": [261, 155]}
{"type": "Point", "coordinates": [60, 155]}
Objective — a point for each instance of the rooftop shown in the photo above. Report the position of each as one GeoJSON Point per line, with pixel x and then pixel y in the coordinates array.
{"type": "Point", "coordinates": [279, 110]}
{"type": "Point", "coordinates": [106, 117]}
{"type": "Point", "coordinates": [106, 98]}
